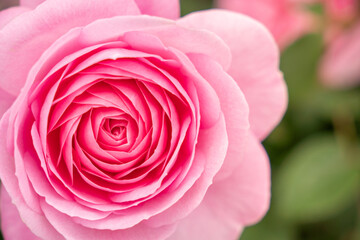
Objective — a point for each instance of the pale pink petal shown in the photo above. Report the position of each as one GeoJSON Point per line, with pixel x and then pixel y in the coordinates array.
{"type": "Point", "coordinates": [74, 231]}
{"type": "Point", "coordinates": [340, 66]}
{"type": "Point", "coordinates": [9, 14]}
{"type": "Point", "coordinates": [43, 26]}
{"type": "Point", "coordinates": [203, 224]}
{"type": "Point", "coordinates": [7, 171]}
{"type": "Point", "coordinates": [11, 224]}
{"type": "Point", "coordinates": [36, 222]}
{"type": "Point", "coordinates": [162, 8]}
{"type": "Point", "coordinates": [31, 3]}
{"type": "Point", "coordinates": [232, 203]}
{"type": "Point", "coordinates": [254, 66]}
{"type": "Point", "coordinates": [233, 105]}
{"type": "Point", "coordinates": [6, 100]}
{"type": "Point", "coordinates": [244, 197]}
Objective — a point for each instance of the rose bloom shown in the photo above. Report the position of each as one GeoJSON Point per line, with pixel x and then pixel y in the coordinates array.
{"type": "Point", "coordinates": [127, 122]}
{"type": "Point", "coordinates": [285, 19]}
{"type": "Point", "coordinates": [340, 65]}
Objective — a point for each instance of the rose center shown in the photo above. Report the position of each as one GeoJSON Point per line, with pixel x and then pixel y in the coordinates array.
{"type": "Point", "coordinates": [115, 128]}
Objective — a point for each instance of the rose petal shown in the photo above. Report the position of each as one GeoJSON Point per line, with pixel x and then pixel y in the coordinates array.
{"type": "Point", "coordinates": [254, 66]}
{"type": "Point", "coordinates": [211, 147]}
{"type": "Point", "coordinates": [43, 26]}
{"type": "Point", "coordinates": [9, 14]}
{"type": "Point", "coordinates": [244, 197]}
{"type": "Point", "coordinates": [74, 231]}
{"type": "Point", "coordinates": [162, 8]}
{"type": "Point", "coordinates": [239, 200]}
{"type": "Point", "coordinates": [7, 174]}
{"type": "Point", "coordinates": [31, 3]}
{"type": "Point", "coordinates": [6, 100]}
{"type": "Point", "coordinates": [233, 105]}
{"type": "Point", "coordinates": [11, 224]}
{"type": "Point", "coordinates": [203, 224]}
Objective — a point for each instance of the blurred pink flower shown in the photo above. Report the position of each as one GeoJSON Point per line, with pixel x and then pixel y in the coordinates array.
{"type": "Point", "coordinates": [340, 66]}
{"type": "Point", "coordinates": [130, 122]}
{"type": "Point", "coordinates": [285, 19]}
{"type": "Point", "coordinates": [341, 10]}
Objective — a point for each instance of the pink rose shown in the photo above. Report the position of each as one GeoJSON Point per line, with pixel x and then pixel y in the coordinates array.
{"type": "Point", "coordinates": [341, 10]}
{"type": "Point", "coordinates": [340, 66]}
{"type": "Point", "coordinates": [130, 123]}
{"type": "Point", "coordinates": [285, 19]}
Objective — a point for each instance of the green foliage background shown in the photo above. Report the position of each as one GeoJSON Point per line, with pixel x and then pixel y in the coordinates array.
{"type": "Point", "coordinates": [314, 152]}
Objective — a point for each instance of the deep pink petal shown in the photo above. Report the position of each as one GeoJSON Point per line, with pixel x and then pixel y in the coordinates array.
{"type": "Point", "coordinates": [239, 200]}
{"type": "Point", "coordinates": [340, 66]}
{"type": "Point", "coordinates": [212, 147]}
{"type": "Point", "coordinates": [161, 8]}
{"type": "Point", "coordinates": [43, 26]}
{"type": "Point", "coordinates": [255, 64]}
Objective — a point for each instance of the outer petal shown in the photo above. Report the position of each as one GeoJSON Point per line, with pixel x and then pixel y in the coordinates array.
{"type": "Point", "coordinates": [341, 63]}
{"type": "Point", "coordinates": [74, 231]}
{"type": "Point", "coordinates": [11, 224]}
{"type": "Point", "coordinates": [254, 67]}
{"type": "Point", "coordinates": [162, 8]}
{"type": "Point", "coordinates": [5, 17]}
{"type": "Point", "coordinates": [239, 200]}
{"type": "Point", "coordinates": [233, 105]}
{"type": "Point", "coordinates": [6, 100]}
{"type": "Point", "coordinates": [9, 14]}
{"type": "Point", "coordinates": [31, 3]}
{"type": "Point", "coordinates": [8, 178]}
{"type": "Point", "coordinates": [43, 26]}
{"type": "Point", "coordinates": [203, 224]}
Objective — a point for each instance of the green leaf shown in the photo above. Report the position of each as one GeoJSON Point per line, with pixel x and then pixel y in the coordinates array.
{"type": "Point", "coordinates": [270, 228]}
{"type": "Point", "coordinates": [315, 181]}
{"type": "Point", "coordinates": [188, 6]}
{"type": "Point", "coordinates": [299, 64]}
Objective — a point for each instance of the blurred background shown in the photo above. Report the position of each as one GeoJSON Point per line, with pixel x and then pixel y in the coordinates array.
{"type": "Point", "coordinates": [315, 150]}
